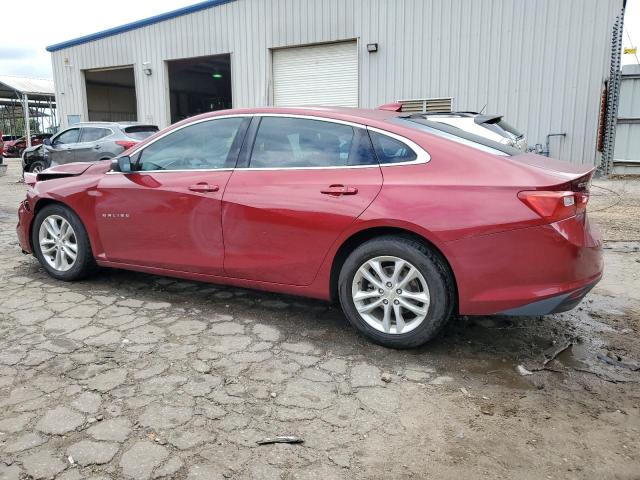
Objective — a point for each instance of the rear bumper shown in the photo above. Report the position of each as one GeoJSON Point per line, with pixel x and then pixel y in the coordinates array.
{"type": "Point", "coordinates": [557, 304]}
{"type": "Point", "coordinates": [529, 271]}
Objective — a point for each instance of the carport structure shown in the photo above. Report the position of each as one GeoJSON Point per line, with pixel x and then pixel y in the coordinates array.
{"type": "Point", "coordinates": [26, 99]}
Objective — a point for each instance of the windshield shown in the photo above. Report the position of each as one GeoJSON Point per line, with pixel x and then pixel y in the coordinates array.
{"type": "Point", "coordinates": [456, 134]}
{"type": "Point", "coordinates": [140, 132]}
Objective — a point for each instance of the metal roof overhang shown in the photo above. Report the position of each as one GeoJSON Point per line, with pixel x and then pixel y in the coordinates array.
{"type": "Point", "coordinates": [34, 88]}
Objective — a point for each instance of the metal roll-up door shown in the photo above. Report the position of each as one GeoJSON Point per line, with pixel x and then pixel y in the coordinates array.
{"type": "Point", "coordinates": [316, 75]}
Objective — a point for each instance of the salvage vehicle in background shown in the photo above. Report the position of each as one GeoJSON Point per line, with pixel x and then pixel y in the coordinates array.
{"type": "Point", "coordinates": [15, 148]}
{"type": "Point", "coordinates": [405, 221]}
{"type": "Point", "coordinates": [86, 142]}
{"type": "Point", "coordinates": [492, 127]}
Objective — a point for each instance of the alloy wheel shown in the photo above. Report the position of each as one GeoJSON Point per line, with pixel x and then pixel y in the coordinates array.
{"type": "Point", "coordinates": [390, 294]}
{"type": "Point", "coordinates": [58, 243]}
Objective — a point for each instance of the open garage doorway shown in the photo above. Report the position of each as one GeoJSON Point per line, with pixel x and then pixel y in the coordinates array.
{"type": "Point", "coordinates": [199, 85]}
{"type": "Point", "coordinates": [111, 94]}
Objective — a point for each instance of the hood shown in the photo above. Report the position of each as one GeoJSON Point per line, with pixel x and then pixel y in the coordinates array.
{"type": "Point", "coordinates": [70, 168]}
{"type": "Point", "coordinates": [33, 148]}
{"type": "Point", "coordinates": [62, 171]}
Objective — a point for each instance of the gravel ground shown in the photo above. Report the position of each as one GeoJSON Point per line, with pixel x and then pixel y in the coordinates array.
{"type": "Point", "coordinates": [127, 375]}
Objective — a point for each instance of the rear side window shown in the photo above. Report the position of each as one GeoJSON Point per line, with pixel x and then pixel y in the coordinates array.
{"type": "Point", "coordinates": [389, 150]}
{"type": "Point", "coordinates": [283, 142]}
{"type": "Point", "coordinates": [93, 134]}
{"type": "Point", "coordinates": [140, 132]}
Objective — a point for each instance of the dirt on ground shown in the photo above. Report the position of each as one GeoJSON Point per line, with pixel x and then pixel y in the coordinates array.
{"type": "Point", "coordinates": [127, 375]}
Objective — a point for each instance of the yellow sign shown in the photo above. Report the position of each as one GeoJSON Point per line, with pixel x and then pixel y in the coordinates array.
{"type": "Point", "coordinates": [630, 51]}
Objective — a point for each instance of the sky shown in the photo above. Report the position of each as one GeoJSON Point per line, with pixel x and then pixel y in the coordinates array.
{"type": "Point", "coordinates": [25, 55]}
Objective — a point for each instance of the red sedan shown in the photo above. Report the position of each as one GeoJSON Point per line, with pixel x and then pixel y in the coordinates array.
{"type": "Point", "coordinates": [404, 221]}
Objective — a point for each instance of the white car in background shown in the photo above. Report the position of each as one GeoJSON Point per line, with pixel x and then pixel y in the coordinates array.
{"type": "Point", "coordinates": [492, 127]}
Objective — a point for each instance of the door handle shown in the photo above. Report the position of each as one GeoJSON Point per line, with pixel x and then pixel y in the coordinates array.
{"type": "Point", "coordinates": [204, 188]}
{"type": "Point", "coordinates": [97, 147]}
{"type": "Point", "coordinates": [337, 190]}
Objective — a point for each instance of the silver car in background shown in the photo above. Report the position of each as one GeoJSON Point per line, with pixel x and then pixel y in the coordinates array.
{"type": "Point", "coordinates": [492, 127]}
{"type": "Point", "coordinates": [88, 142]}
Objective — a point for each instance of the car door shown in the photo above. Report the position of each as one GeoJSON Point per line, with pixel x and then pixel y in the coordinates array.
{"type": "Point", "coordinates": [300, 182]}
{"type": "Point", "coordinates": [91, 146]}
{"type": "Point", "coordinates": [166, 213]}
{"type": "Point", "coordinates": [61, 149]}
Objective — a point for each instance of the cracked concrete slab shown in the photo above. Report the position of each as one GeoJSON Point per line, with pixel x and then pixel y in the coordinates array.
{"type": "Point", "coordinates": [136, 376]}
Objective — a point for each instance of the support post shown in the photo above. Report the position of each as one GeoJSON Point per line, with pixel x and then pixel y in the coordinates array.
{"type": "Point", "coordinates": [27, 124]}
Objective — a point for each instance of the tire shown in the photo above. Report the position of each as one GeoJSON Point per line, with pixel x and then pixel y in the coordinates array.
{"type": "Point", "coordinates": [431, 290]}
{"type": "Point", "coordinates": [37, 166]}
{"type": "Point", "coordinates": [83, 264]}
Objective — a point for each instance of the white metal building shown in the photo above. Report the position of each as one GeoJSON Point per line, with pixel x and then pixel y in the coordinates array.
{"type": "Point", "coordinates": [541, 63]}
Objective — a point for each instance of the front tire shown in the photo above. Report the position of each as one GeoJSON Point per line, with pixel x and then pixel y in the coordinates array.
{"type": "Point", "coordinates": [396, 291]}
{"type": "Point", "coordinates": [37, 166]}
{"type": "Point", "coordinates": [61, 244]}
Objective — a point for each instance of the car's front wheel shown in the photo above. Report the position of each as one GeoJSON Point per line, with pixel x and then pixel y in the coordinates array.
{"type": "Point", "coordinates": [396, 291]}
{"type": "Point", "coordinates": [37, 166]}
{"type": "Point", "coordinates": [61, 244]}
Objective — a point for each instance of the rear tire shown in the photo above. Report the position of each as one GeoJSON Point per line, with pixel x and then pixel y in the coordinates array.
{"type": "Point", "coordinates": [398, 310]}
{"type": "Point", "coordinates": [61, 244]}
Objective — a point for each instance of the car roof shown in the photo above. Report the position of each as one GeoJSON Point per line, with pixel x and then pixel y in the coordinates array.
{"type": "Point", "coordinates": [347, 114]}
{"type": "Point", "coordinates": [112, 124]}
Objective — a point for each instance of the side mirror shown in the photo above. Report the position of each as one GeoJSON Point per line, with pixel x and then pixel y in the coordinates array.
{"type": "Point", "coordinates": [47, 142]}
{"type": "Point", "coordinates": [121, 164]}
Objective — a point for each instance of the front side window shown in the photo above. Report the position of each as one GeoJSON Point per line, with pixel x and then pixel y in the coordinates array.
{"type": "Point", "coordinates": [68, 136]}
{"type": "Point", "coordinates": [93, 134]}
{"type": "Point", "coordinates": [287, 142]}
{"type": "Point", "coordinates": [202, 146]}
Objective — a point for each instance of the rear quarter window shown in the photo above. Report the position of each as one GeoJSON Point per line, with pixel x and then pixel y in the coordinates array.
{"type": "Point", "coordinates": [389, 150]}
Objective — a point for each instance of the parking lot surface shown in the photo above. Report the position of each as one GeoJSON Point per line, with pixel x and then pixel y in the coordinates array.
{"type": "Point", "coordinates": [127, 375]}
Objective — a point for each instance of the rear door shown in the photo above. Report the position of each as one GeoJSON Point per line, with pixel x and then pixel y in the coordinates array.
{"type": "Point", "coordinates": [300, 183]}
{"type": "Point", "coordinates": [92, 143]}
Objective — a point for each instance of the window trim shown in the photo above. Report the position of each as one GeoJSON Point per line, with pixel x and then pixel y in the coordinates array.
{"type": "Point", "coordinates": [422, 155]}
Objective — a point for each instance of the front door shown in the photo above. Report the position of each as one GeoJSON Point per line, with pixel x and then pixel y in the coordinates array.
{"type": "Point", "coordinates": [305, 181]}
{"type": "Point", "coordinates": [61, 150]}
{"type": "Point", "coordinates": [167, 213]}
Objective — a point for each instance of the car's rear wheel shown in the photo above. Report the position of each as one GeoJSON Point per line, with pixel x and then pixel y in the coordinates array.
{"type": "Point", "coordinates": [37, 166]}
{"type": "Point", "coordinates": [396, 291]}
{"type": "Point", "coordinates": [61, 244]}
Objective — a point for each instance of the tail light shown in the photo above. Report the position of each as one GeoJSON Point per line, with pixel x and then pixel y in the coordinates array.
{"type": "Point", "coordinates": [126, 144]}
{"type": "Point", "coordinates": [553, 205]}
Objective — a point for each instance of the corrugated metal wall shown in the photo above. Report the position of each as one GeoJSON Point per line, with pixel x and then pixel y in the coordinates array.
{"type": "Point", "coordinates": [628, 128]}
{"type": "Point", "coordinates": [540, 62]}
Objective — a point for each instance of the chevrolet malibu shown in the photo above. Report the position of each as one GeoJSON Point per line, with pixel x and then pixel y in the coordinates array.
{"type": "Point", "coordinates": [403, 221]}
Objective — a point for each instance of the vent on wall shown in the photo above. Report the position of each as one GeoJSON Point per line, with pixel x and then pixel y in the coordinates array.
{"type": "Point", "coordinates": [427, 105]}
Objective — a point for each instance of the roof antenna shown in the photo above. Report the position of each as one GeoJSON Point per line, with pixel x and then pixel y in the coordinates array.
{"type": "Point", "coordinates": [485, 106]}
